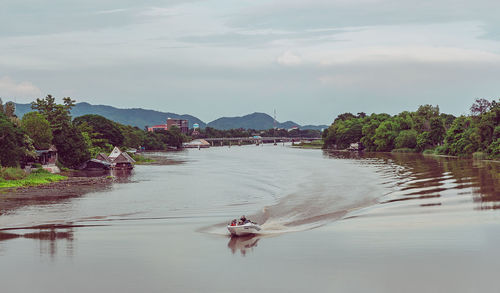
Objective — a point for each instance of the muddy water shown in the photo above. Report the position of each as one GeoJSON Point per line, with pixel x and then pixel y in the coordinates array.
{"type": "Point", "coordinates": [332, 222]}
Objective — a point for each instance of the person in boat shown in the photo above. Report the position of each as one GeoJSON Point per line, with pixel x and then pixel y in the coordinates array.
{"type": "Point", "coordinates": [234, 222]}
{"type": "Point", "coordinates": [244, 220]}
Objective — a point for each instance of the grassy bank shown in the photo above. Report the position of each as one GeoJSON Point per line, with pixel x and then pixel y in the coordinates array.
{"type": "Point", "coordinates": [15, 177]}
{"type": "Point", "coordinates": [315, 144]}
{"type": "Point", "coordinates": [142, 160]}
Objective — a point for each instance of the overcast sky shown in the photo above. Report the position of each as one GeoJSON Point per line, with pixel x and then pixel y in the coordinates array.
{"type": "Point", "coordinates": [308, 59]}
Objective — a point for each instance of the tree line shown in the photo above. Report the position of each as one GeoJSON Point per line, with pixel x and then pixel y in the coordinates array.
{"type": "Point", "coordinates": [76, 140]}
{"type": "Point", "coordinates": [425, 130]}
{"type": "Point", "coordinates": [210, 132]}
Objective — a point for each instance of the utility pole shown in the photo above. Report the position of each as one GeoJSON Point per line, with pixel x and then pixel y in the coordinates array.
{"type": "Point", "coordinates": [274, 131]}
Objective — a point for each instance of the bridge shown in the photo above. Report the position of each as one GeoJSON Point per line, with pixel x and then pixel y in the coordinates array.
{"type": "Point", "coordinates": [256, 140]}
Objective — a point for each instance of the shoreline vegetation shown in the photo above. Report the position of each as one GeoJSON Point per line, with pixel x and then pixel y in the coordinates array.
{"type": "Point", "coordinates": [15, 178]}
{"type": "Point", "coordinates": [78, 139]}
{"type": "Point", "coordinates": [425, 131]}
{"type": "Point", "coordinates": [315, 144]}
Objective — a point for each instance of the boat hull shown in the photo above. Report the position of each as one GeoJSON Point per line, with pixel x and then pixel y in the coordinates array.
{"type": "Point", "coordinates": [246, 229]}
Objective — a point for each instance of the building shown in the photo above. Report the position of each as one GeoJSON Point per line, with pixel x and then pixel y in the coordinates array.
{"type": "Point", "coordinates": [47, 157]}
{"type": "Point", "coordinates": [157, 127]}
{"type": "Point", "coordinates": [120, 160]}
{"type": "Point", "coordinates": [182, 124]}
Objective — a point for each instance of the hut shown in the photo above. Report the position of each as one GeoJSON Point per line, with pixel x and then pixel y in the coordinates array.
{"type": "Point", "coordinates": [47, 157]}
{"type": "Point", "coordinates": [95, 165]}
{"type": "Point", "coordinates": [103, 157]}
{"type": "Point", "coordinates": [120, 160]}
{"type": "Point", "coordinates": [123, 161]}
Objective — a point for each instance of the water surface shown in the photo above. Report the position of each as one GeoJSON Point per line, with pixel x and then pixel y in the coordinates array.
{"type": "Point", "coordinates": [342, 222]}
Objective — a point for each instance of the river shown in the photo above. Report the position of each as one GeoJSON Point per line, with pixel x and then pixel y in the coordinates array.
{"type": "Point", "coordinates": [332, 222]}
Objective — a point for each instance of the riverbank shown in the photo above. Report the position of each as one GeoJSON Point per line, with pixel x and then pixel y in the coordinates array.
{"type": "Point", "coordinates": [53, 192]}
{"type": "Point", "coordinates": [316, 144]}
{"type": "Point", "coordinates": [15, 178]}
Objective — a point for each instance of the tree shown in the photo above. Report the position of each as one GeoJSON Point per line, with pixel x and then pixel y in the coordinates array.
{"type": "Point", "coordinates": [479, 107]}
{"type": "Point", "coordinates": [38, 129]}
{"type": "Point", "coordinates": [105, 128]}
{"type": "Point", "coordinates": [12, 143]}
{"type": "Point", "coordinates": [71, 146]}
{"type": "Point", "coordinates": [385, 135]}
{"type": "Point", "coordinates": [69, 141]}
{"type": "Point", "coordinates": [10, 109]}
{"type": "Point", "coordinates": [462, 138]}
{"type": "Point", "coordinates": [58, 115]}
{"type": "Point", "coordinates": [406, 139]}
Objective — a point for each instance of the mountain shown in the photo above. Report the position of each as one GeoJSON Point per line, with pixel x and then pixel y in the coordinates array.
{"type": "Point", "coordinates": [141, 118]}
{"type": "Point", "coordinates": [258, 121]}
{"type": "Point", "coordinates": [135, 117]}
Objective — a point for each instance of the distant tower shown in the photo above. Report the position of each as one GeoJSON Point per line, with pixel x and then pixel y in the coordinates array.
{"type": "Point", "coordinates": [196, 127]}
{"type": "Point", "coordinates": [274, 120]}
{"type": "Point", "coordinates": [274, 131]}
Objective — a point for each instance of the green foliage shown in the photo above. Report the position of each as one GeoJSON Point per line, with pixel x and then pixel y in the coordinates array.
{"type": "Point", "coordinates": [406, 139]}
{"type": "Point", "coordinates": [38, 129]}
{"type": "Point", "coordinates": [403, 150]}
{"type": "Point", "coordinates": [105, 128]}
{"type": "Point", "coordinates": [385, 135]}
{"type": "Point", "coordinates": [423, 129]}
{"type": "Point", "coordinates": [479, 156]}
{"type": "Point", "coordinates": [71, 146]}
{"type": "Point", "coordinates": [12, 143]}
{"type": "Point", "coordinates": [139, 159]}
{"type": "Point", "coordinates": [344, 132]}
{"type": "Point", "coordinates": [36, 177]}
{"type": "Point", "coordinates": [59, 116]}
{"type": "Point", "coordinates": [69, 141]}
{"type": "Point", "coordinates": [494, 149]}
{"type": "Point", "coordinates": [462, 138]}
{"type": "Point", "coordinates": [10, 173]}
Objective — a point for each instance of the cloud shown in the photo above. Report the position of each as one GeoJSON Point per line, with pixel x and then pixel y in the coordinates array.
{"type": "Point", "coordinates": [111, 11]}
{"type": "Point", "coordinates": [289, 59]}
{"type": "Point", "coordinates": [11, 89]}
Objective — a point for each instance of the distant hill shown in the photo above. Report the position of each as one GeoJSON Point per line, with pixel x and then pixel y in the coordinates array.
{"type": "Point", "coordinates": [135, 117]}
{"type": "Point", "coordinates": [141, 117]}
{"type": "Point", "coordinates": [258, 121]}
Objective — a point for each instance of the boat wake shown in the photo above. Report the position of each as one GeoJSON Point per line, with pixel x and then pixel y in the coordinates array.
{"type": "Point", "coordinates": [317, 201]}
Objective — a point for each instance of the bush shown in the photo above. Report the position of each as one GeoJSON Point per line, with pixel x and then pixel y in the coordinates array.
{"type": "Point", "coordinates": [440, 150]}
{"type": "Point", "coordinates": [429, 152]}
{"type": "Point", "coordinates": [406, 139]}
{"type": "Point", "coordinates": [403, 150]}
{"type": "Point", "coordinates": [12, 173]}
{"type": "Point", "coordinates": [40, 171]}
{"type": "Point", "coordinates": [479, 156]}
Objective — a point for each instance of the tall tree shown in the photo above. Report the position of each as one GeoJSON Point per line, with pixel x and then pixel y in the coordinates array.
{"type": "Point", "coordinates": [68, 140]}
{"type": "Point", "coordinates": [105, 128]}
{"type": "Point", "coordinates": [38, 129]}
{"type": "Point", "coordinates": [12, 144]}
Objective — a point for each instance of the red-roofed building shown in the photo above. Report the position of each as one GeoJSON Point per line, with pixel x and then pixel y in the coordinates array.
{"type": "Point", "coordinates": [157, 127]}
{"type": "Point", "coordinates": [182, 124]}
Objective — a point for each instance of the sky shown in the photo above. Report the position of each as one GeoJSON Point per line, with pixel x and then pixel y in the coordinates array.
{"type": "Point", "coordinates": [308, 59]}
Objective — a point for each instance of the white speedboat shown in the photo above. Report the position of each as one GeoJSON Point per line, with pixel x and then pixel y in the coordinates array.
{"type": "Point", "coordinates": [244, 229]}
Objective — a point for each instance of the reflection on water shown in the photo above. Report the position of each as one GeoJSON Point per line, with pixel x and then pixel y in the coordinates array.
{"type": "Point", "coordinates": [243, 244]}
{"type": "Point", "coordinates": [150, 226]}
{"type": "Point", "coordinates": [49, 240]}
{"type": "Point", "coordinates": [432, 181]}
